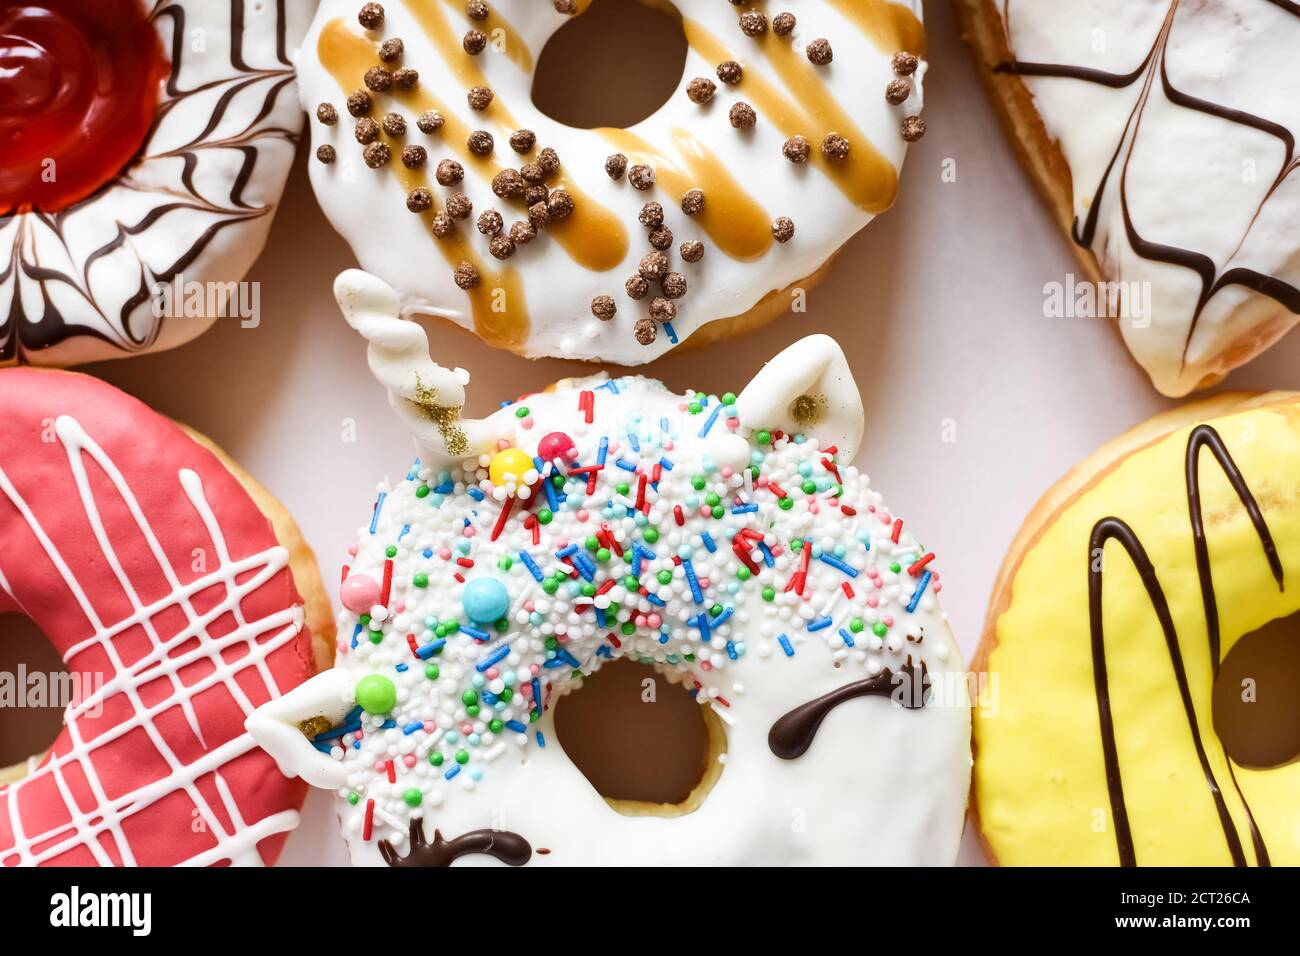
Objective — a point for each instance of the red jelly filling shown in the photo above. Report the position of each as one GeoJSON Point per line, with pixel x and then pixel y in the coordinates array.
{"type": "Point", "coordinates": [79, 82]}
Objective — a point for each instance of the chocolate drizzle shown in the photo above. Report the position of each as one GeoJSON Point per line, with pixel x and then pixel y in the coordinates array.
{"type": "Point", "coordinates": [793, 734]}
{"type": "Point", "coordinates": [41, 265]}
{"type": "Point", "coordinates": [1115, 529]}
{"type": "Point", "coordinates": [509, 848]}
{"type": "Point", "coordinates": [1211, 279]}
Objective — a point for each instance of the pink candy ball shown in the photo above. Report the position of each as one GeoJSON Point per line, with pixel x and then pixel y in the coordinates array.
{"type": "Point", "coordinates": [556, 445]}
{"type": "Point", "coordinates": [359, 593]}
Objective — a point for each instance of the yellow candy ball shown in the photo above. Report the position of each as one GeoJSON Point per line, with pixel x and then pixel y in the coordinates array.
{"type": "Point", "coordinates": [509, 465]}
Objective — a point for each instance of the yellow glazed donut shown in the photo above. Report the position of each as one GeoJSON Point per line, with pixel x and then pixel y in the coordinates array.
{"type": "Point", "coordinates": [1128, 585]}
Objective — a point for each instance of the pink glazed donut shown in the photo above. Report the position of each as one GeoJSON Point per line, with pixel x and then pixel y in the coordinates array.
{"type": "Point", "coordinates": [173, 587]}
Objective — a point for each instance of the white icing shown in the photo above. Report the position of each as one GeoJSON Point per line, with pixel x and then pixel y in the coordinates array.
{"type": "Point", "coordinates": [1195, 181]}
{"type": "Point", "coordinates": [368, 206]}
{"type": "Point", "coordinates": [96, 297]}
{"type": "Point", "coordinates": [99, 826]}
{"type": "Point", "coordinates": [880, 783]}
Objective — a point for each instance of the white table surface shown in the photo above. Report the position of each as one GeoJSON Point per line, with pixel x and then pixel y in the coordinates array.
{"type": "Point", "coordinates": [939, 305]}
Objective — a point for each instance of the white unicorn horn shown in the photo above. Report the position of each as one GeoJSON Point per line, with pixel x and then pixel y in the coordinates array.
{"type": "Point", "coordinates": [427, 397]}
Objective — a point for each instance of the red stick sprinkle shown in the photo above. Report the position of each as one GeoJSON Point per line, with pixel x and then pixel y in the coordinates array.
{"type": "Point", "coordinates": [369, 827]}
{"type": "Point", "coordinates": [502, 518]}
{"type": "Point", "coordinates": [898, 529]}
{"type": "Point", "coordinates": [916, 569]}
{"type": "Point", "coordinates": [387, 588]}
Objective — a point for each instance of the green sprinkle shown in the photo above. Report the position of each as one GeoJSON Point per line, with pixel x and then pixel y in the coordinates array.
{"type": "Point", "coordinates": [422, 491]}
{"type": "Point", "coordinates": [431, 671]}
{"type": "Point", "coordinates": [376, 694]}
{"type": "Point", "coordinates": [879, 629]}
{"type": "Point", "coordinates": [769, 594]}
{"type": "Point", "coordinates": [544, 516]}
{"type": "Point", "coordinates": [856, 625]}
{"type": "Point", "coordinates": [436, 759]}
{"type": "Point", "coordinates": [413, 797]}
{"type": "Point", "coordinates": [698, 482]}
{"type": "Point", "coordinates": [786, 503]}
{"type": "Point", "coordinates": [462, 757]}
{"type": "Point", "coordinates": [496, 725]}
{"type": "Point", "coordinates": [505, 562]}
{"type": "Point", "coordinates": [729, 398]}
{"type": "Point", "coordinates": [469, 697]}
{"type": "Point", "coordinates": [651, 535]}
{"type": "Point", "coordinates": [743, 573]}
{"type": "Point", "coordinates": [665, 577]}
{"type": "Point", "coordinates": [354, 798]}
{"type": "Point", "coordinates": [764, 438]}
{"type": "Point", "coordinates": [421, 580]}
{"type": "Point", "coordinates": [391, 550]}
{"type": "Point", "coordinates": [521, 411]}
{"type": "Point", "coordinates": [895, 566]}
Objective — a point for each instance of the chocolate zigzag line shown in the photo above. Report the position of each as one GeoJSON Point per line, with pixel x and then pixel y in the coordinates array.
{"type": "Point", "coordinates": [20, 334]}
{"type": "Point", "coordinates": [1212, 281]}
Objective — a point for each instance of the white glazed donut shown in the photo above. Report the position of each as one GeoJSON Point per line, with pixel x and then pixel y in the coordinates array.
{"type": "Point", "coordinates": [474, 600]}
{"type": "Point", "coordinates": [141, 252]}
{"type": "Point", "coordinates": [613, 280]}
{"type": "Point", "coordinates": [1163, 134]}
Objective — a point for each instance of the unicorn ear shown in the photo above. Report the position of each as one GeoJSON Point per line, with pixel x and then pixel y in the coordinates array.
{"type": "Point", "coordinates": [807, 388]}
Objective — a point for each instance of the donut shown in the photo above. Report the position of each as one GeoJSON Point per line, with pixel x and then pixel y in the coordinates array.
{"type": "Point", "coordinates": [180, 596]}
{"type": "Point", "coordinates": [727, 542]}
{"type": "Point", "coordinates": [143, 149]}
{"type": "Point", "coordinates": [715, 213]}
{"type": "Point", "coordinates": [1162, 135]}
{"type": "Point", "coordinates": [1100, 731]}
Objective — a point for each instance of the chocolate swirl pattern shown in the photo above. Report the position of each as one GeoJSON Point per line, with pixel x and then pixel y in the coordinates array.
{"type": "Point", "coordinates": [1203, 437]}
{"type": "Point", "coordinates": [1177, 120]}
{"type": "Point", "coordinates": [87, 282]}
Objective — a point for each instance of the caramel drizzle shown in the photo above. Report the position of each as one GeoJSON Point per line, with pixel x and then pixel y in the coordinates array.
{"type": "Point", "coordinates": [515, 48]}
{"type": "Point", "coordinates": [498, 306]}
{"type": "Point", "coordinates": [1115, 529]}
{"type": "Point", "coordinates": [866, 177]}
{"type": "Point", "coordinates": [736, 223]}
{"type": "Point", "coordinates": [592, 235]}
{"type": "Point", "coordinates": [889, 25]}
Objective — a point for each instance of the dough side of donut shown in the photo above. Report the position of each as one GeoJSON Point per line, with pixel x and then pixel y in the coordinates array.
{"type": "Point", "coordinates": [1260, 322]}
{"type": "Point", "coordinates": [1071, 488]}
{"type": "Point", "coordinates": [316, 603]}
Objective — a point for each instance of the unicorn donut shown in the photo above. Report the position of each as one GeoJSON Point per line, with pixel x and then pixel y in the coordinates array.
{"type": "Point", "coordinates": [726, 542]}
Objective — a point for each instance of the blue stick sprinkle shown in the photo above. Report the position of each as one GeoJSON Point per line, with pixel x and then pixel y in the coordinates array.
{"type": "Point", "coordinates": [495, 657]}
{"type": "Point", "coordinates": [820, 624]}
{"type": "Point", "coordinates": [785, 645]}
{"type": "Point", "coordinates": [848, 638]}
{"type": "Point", "coordinates": [693, 581]}
{"type": "Point", "coordinates": [708, 424]}
{"type": "Point", "coordinates": [451, 773]}
{"type": "Point", "coordinates": [426, 651]}
{"type": "Point", "coordinates": [474, 632]}
{"type": "Point", "coordinates": [708, 542]}
{"type": "Point", "coordinates": [920, 589]}
{"type": "Point", "coordinates": [603, 450]}
{"type": "Point", "coordinates": [412, 727]}
{"type": "Point", "coordinates": [517, 726]}
{"type": "Point", "coordinates": [533, 568]}
{"type": "Point", "coordinates": [379, 504]}
{"type": "Point", "coordinates": [839, 565]}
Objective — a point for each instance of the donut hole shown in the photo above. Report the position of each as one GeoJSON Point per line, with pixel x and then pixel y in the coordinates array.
{"type": "Point", "coordinates": [641, 740]}
{"type": "Point", "coordinates": [1256, 700]}
{"type": "Point", "coordinates": [34, 691]}
{"type": "Point", "coordinates": [614, 65]}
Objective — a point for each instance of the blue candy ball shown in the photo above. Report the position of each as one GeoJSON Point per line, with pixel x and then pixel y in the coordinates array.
{"type": "Point", "coordinates": [485, 600]}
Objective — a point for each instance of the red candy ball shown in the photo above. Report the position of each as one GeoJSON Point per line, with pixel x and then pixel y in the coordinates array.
{"type": "Point", "coordinates": [556, 445]}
